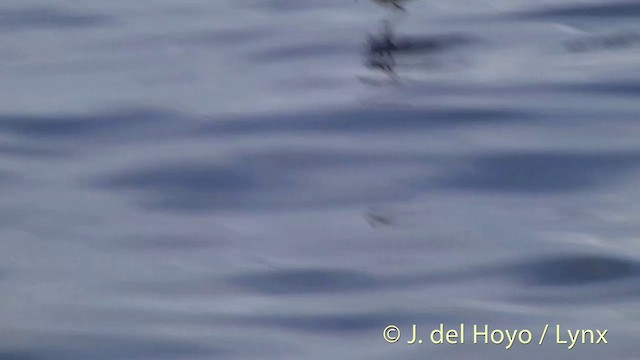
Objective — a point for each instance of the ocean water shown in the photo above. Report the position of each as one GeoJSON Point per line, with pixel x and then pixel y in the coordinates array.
{"type": "Point", "coordinates": [228, 180]}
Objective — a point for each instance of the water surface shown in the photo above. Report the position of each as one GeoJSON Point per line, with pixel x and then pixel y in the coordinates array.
{"type": "Point", "coordinates": [210, 179]}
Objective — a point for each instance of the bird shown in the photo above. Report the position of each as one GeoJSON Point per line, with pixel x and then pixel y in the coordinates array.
{"type": "Point", "coordinates": [396, 4]}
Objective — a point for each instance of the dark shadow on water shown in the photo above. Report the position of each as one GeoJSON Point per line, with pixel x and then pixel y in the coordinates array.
{"type": "Point", "coordinates": [271, 181]}
{"type": "Point", "coordinates": [113, 348]}
{"type": "Point", "coordinates": [31, 152]}
{"type": "Point", "coordinates": [19, 355]}
{"type": "Point", "coordinates": [188, 177]}
{"type": "Point", "coordinates": [540, 172]}
{"type": "Point", "coordinates": [262, 181]}
{"type": "Point", "coordinates": [425, 44]}
{"type": "Point", "coordinates": [563, 271]}
{"type": "Point", "coordinates": [284, 6]}
{"type": "Point", "coordinates": [308, 281]}
{"type": "Point", "coordinates": [49, 18]}
{"type": "Point", "coordinates": [609, 42]}
{"type": "Point", "coordinates": [614, 9]}
{"type": "Point", "coordinates": [581, 280]}
{"type": "Point", "coordinates": [167, 243]}
{"type": "Point", "coordinates": [365, 120]}
{"type": "Point", "coordinates": [300, 51]}
{"type": "Point", "coordinates": [579, 270]}
{"type": "Point", "coordinates": [265, 181]}
{"type": "Point", "coordinates": [300, 160]}
{"type": "Point", "coordinates": [554, 272]}
{"type": "Point", "coordinates": [83, 127]}
{"type": "Point", "coordinates": [241, 36]}
{"type": "Point", "coordinates": [338, 323]}
{"type": "Point", "coordinates": [628, 88]}
{"type": "Point", "coordinates": [196, 186]}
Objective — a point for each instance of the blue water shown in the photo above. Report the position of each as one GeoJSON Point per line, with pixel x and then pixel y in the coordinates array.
{"type": "Point", "coordinates": [214, 179]}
